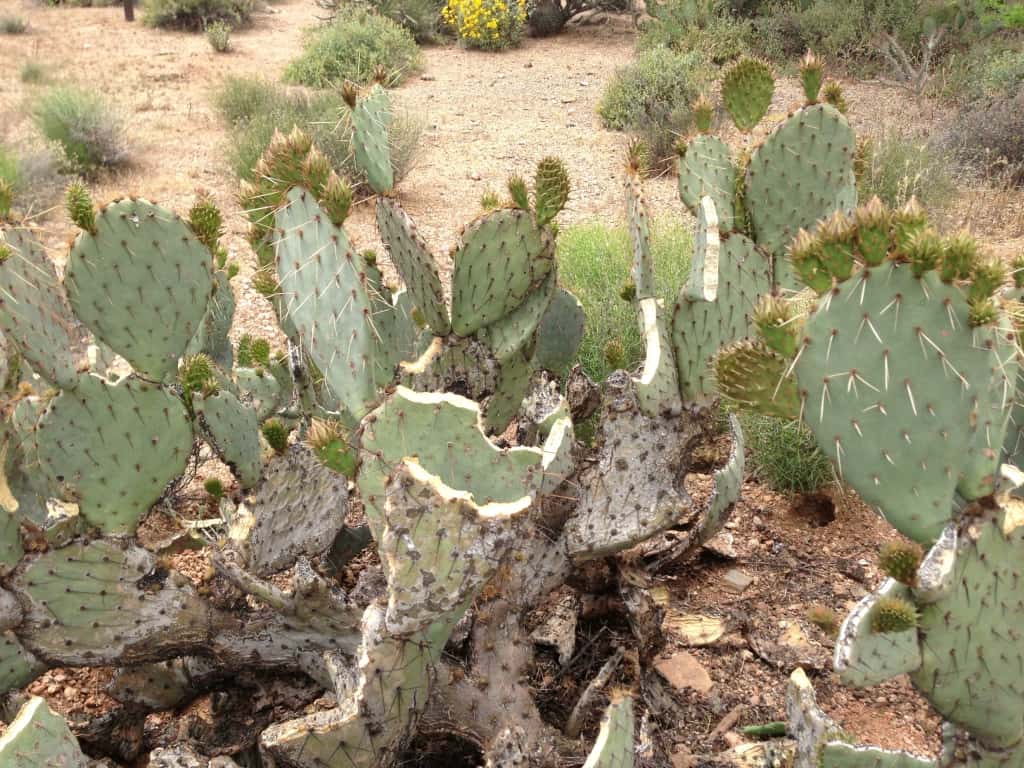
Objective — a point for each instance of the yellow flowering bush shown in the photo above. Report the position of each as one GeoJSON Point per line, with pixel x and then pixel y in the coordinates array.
{"type": "Point", "coordinates": [487, 24]}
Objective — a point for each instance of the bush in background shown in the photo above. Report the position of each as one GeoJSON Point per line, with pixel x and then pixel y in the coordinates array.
{"type": "Point", "coordinates": [652, 97]}
{"type": "Point", "coordinates": [254, 108]}
{"type": "Point", "coordinates": [486, 24]}
{"type": "Point", "coordinates": [593, 262]}
{"type": "Point", "coordinates": [90, 133]}
{"type": "Point", "coordinates": [218, 35]}
{"type": "Point", "coordinates": [196, 14]}
{"type": "Point", "coordinates": [421, 17]}
{"type": "Point", "coordinates": [990, 136]}
{"type": "Point", "coordinates": [33, 175]}
{"type": "Point", "coordinates": [32, 73]}
{"type": "Point", "coordinates": [12, 25]}
{"type": "Point", "coordinates": [784, 455]}
{"type": "Point", "coordinates": [351, 49]}
{"type": "Point", "coordinates": [709, 27]}
{"type": "Point", "coordinates": [897, 168]}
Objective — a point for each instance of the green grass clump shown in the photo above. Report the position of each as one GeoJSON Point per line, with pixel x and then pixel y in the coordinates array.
{"type": "Point", "coordinates": [254, 108]}
{"type": "Point", "coordinates": [32, 73]}
{"type": "Point", "coordinates": [8, 168]}
{"type": "Point", "coordinates": [351, 48]}
{"type": "Point", "coordinates": [897, 168]}
{"type": "Point", "coordinates": [90, 133]}
{"type": "Point", "coordinates": [784, 454]}
{"type": "Point", "coordinates": [594, 262]}
{"type": "Point", "coordinates": [12, 25]}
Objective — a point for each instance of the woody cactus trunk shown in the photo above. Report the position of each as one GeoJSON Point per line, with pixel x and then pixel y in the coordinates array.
{"type": "Point", "coordinates": [376, 539]}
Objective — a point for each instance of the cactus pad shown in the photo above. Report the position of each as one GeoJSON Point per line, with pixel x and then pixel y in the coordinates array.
{"type": "Point", "coordinates": [414, 262]}
{"type": "Point", "coordinates": [233, 431]}
{"type": "Point", "coordinates": [658, 386]}
{"type": "Point", "coordinates": [259, 388]}
{"type": "Point", "coordinates": [141, 284]}
{"type": "Point", "coordinates": [38, 738]}
{"type": "Point", "coordinates": [614, 746]}
{"type": "Point", "coordinates": [515, 331]}
{"type": "Point", "coordinates": [212, 337]}
{"type": "Point", "coordinates": [113, 448]}
{"type": "Point", "coordinates": [34, 312]}
{"type": "Point", "coordinates": [639, 220]}
{"type": "Point", "coordinates": [371, 118]}
{"type": "Point", "coordinates": [501, 258]}
{"type": "Point", "coordinates": [799, 175]}
{"type": "Point", "coordinates": [747, 89]}
{"type": "Point", "coordinates": [706, 168]}
{"type": "Point", "coordinates": [560, 333]}
{"type": "Point", "coordinates": [864, 657]}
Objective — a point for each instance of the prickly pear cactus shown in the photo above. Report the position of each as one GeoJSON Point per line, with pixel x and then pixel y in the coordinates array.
{"type": "Point", "coordinates": [38, 738]}
{"type": "Point", "coordinates": [371, 118]}
{"type": "Point", "coordinates": [614, 746]}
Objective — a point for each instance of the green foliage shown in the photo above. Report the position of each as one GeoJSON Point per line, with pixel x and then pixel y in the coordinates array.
{"type": "Point", "coordinates": [196, 14]}
{"type": "Point", "coordinates": [711, 29]}
{"type": "Point", "coordinates": [214, 487]}
{"type": "Point", "coordinates": [350, 49]}
{"type": "Point", "coordinates": [276, 435]}
{"type": "Point", "coordinates": [900, 560]}
{"type": "Point", "coordinates": [420, 17]}
{"type": "Point", "coordinates": [12, 25]}
{"type": "Point", "coordinates": [594, 261]}
{"type": "Point", "coordinates": [255, 108]}
{"type": "Point", "coordinates": [218, 35]}
{"type": "Point", "coordinates": [8, 168]}
{"type": "Point", "coordinates": [897, 168]}
{"type": "Point", "coordinates": [32, 73]}
{"type": "Point", "coordinates": [784, 454]}
{"type": "Point", "coordinates": [90, 133]}
{"type": "Point", "coordinates": [652, 97]}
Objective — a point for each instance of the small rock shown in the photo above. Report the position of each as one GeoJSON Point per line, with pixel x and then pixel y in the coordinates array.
{"type": "Point", "coordinates": [475, 176]}
{"type": "Point", "coordinates": [684, 671]}
{"type": "Point", "coordinates": [693, 628]}
{"type": "Point", "coordinates": [683, 757]}
{"type": "Point", "coordinates": [528, 65]}
{"type": "Point", "coordinates": [568, 99]}
{"type": "Point", "coordinates": [722, 544]}
{"type": "Point", "coordinates": [428, 78]}
{"type": "Point", "coordinates": [737, 581]}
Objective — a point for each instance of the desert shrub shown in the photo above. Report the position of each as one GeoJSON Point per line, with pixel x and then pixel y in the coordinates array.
{"type": "Point", "coordinates": [487, 24]}
{"type": "Point", "coordinates": [12, 25]}
{"type": "Point", "coordinates": [421, 17]}
{"type": "Point", "coordinates": [652, 97]}
{"type": "Point", "coordinates": [34, 176]}
{"type": "Point", "coordinates": [196, 14]}
{"type": "Point", "coordinates": [351, 49]}
{"type": "Point", "coordinates": [593, 262]}
{"type": "Point", "coordinates": [897, 168]}
{"type": "Point", "coordinates": [32, 73]}
{"type": "Point", "coordinates": [990, 135]}
{"type": "Point", "coordinates": [684, 25]}
{"type": "Point", "coordinates": [1003, 74]}
{"type": "Point", "coordinates": [784, 454]}
{"type": "Point", "coordinates": [89, 131]}
{"type": "Point", "coordinates": [255, 108]}
{"type": "Point", "coordinates": [218, 35]}
{"type": "Point", "coordinates": [547, 18]}
{"type": "Point", "coordinates": [8, 167]}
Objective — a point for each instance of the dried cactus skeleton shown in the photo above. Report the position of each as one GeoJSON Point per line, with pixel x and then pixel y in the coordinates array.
{"type": "Point", "coordinates": [392, 395]}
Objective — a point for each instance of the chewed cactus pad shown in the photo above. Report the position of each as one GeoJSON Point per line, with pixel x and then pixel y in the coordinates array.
{"type": "Point", "coordinates": [34, 310]}
{"type": "Point", "coordinates": [501, 258]}
{"type": "Point", "coordinates": [707, 168]}
{"type": "Point", "coordinates": [38, 738]}
{"type": "Point", "coordinates": [614, 746]}
{"type": "Point", "coordinates": [18, 666]}
{"type": "Point", "coordinates": [901, 393]}
{"type": "Point", "coordinates": [141, 284]}
{"type": "Point", "coordinates": [113, 448]}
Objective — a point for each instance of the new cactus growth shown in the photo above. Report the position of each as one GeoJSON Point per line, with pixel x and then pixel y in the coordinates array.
{"type": "Point", "coordinates": [900, 560]}
{"type": "Point", "coordinates": [747, 89]}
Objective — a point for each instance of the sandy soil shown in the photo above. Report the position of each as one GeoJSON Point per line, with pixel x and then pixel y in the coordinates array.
{"type": "Point", "coordinates": [488, 116]}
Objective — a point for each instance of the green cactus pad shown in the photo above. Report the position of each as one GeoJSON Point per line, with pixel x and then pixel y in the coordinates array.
{"type": "Point", "coordinates": [639, 220]}
{"type": "Point", "coordinates": [443, 432]}
{"type": "Point", "coordinates": [506, 400]}
{"type": "Point", "coordinates": [212, 337]}
{"type": "Point", "coordinates": [94, 601]}
{"type": "Point", "coordinates": [658, 386]}
{"type": "Point", "coordinates": [260, 389]}
{"type": "Point", "coordinates": [414, 262]}
{"type": "Point", "coordinates": [298, 509]}
{"type": "Point", "coordinates": [501, 258]}
{"type": "Point", "coordinates": [747, 89]}
{"type": "Point", "coordinates": [700, 328]}
{"type": "Point", "coordinates": [971, 659]}
{"type": "Point", "coordinates": [838, 754]}
{"type": "Point", "coordinates": [864, 657]}
{"type": "Point", "coordinates": [799, 175]}
{"type": "Point", "coordinates": [900, 394]}
{"type": "Point", "coordinates": [324, 295]}
{"type": "Point", "coordinates": [439, 545]}
{"type": "Point", "coordinates": [38, 738]}
{"type": "Point", "coordinates": [18, 667]}
{"type": "Point", "coordinates": [513, 333]}
{"type": "Point", "coordinates": [141, 284]}
{"type": "Point", "coordinates": [706, 168]}
{"type": "Point", "coordinates": [34, 313]}
{"type": "Point", "coordinates": [233, 431]}
{"type": "Point", "coordinates": [396, 330]}
{"type": "Point", "coordinates": [371, 118]}
{"type": "Point", "coordinates": [614, 746]}
{"type": "Point", "coordinates": [113, 448]}
{"type": "Point", "coordinates": [560, 333]}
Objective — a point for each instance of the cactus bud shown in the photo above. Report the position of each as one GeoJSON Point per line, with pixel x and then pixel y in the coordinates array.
{"type": "Point", "coordinates": [638, 158]}
{"type": "Point", "coordinates": [206, 221]}
{"type": "Point", "coordinates": [260, 351]}
{"type": "Point", "coordinates": [336, 199]}
{"type": "Point", "coordinates": [833, 94]}
{"type": "Point", "coordinates": [214, 487]}
{"type": "Point", "coordinates": [276, 435]}
{"type": "Point", "coordinates": [900, 560]}
{"type": "Point", "coordinates": [811, 68]}
{"type": "Point", "coordinates": [232, 270]}
{"type": "Point", "coordinates": [628, 291]}
{"type": "Point", "coordinates": [80, 207]}
{"type": "Point", "coordinates": [550, 189]}
{"type": "Point", "coordinates": [987, 277]}
{"type": "Point", "coordinates": [350, 94]}
{"type": "Point", "coordinates": [924, 252]}
{"type": "Point", "coordinates": [776, 325]}
{"type": "Point", "coordinates": [5, 252]}
{"type": "Point", "coordinates": [615, 354]}
{"type": "Point", "coordinates": [264, 282]}
{"type": "Point", "coordinates": [328, 440]}
{"type": "Point", "coordinates": [873, 232]}
{"type": "Point", "coordinates": [703, 113]}
{"type": "Point", "coordinates": [243, 352]}
{"type": "Point", "coordinates": [824, 618]}
{"type": "Point", "coordinates": [519, 193]}
{"type": "Point", "coordinates": [893, 614]}
{"type": "Point", "coordinates": [805, 255]}
{"type": "Point", "coordinates": [316, 171]}
{"type": "Point", "coordinates": [959, 255]}
{"type": "Point", "coordinates": [836, 239]}
{"type": "Point", "coordinates": [197, 375]}
{"type": "Point", "coordinates": [981, 312]}
{"type": "Point", "coordinates": [906, 223]}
